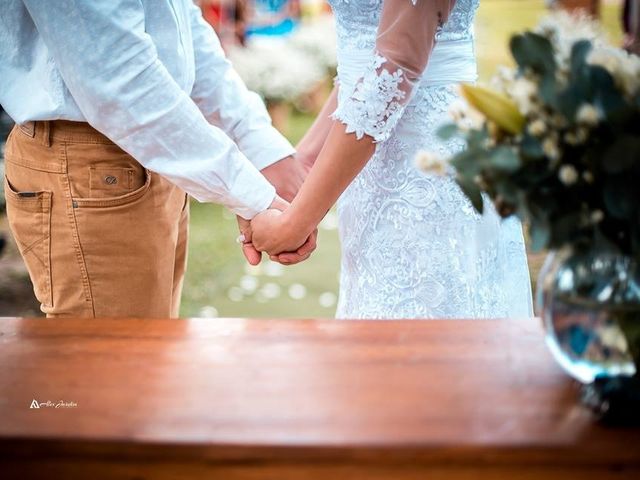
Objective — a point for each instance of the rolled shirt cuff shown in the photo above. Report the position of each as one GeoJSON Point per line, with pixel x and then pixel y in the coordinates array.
{"type": "Point", "coordinates": [265, 147]}
{"type": "Point", "coordinates": [252, 193]}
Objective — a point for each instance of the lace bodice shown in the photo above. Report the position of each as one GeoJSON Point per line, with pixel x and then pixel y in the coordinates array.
{"type": "Point", "coordinates": [378, 73]}
{"type": "Point", "coordinates": [357, 21]}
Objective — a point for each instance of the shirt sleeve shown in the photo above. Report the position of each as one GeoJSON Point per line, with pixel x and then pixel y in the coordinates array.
{"type": "Point", "coordinates": [111, 68]}
{"type": "Point", "coordinates": [226, 102]}
{"type": "Point", "coordinates": [406, 36]}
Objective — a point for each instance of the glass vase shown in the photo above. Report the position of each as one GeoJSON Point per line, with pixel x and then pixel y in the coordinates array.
{"type": "Point", "coordinates": [589, 302]}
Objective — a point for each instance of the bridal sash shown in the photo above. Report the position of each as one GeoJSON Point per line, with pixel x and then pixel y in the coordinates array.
{"type": "Point", "coordinates": [450, 62]}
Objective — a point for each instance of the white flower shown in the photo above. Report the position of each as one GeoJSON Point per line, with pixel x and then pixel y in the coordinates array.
{"type": "Point", "coordinates": [588, 115]}
{"type": "Point", "coordinates": [430, 163]}
{"type": "Point", "coordinates": [597, 216]}
{"type": "Point", "coordinates": [318, 39]}
{"type": "Point", "coordinates": [480, 182]}
{"type": "Point", "coordinates": [465, 117]}
{"type": "Point", "coordinates": [523, 91]}
{"type": "Point", "coordinates": [577, 137]}
{"type": "Point", "coordinates": [558, 120]}
{"type": "Point", "coordinates": [537, 128]}
{"type": "Point", "coordinates": [564, 30]}
{"type": "Point", "coordinates": [568, 174]}
{"type": "Point", "coordinates": [504, 77]}
{"type": "Point", "coordinates": [550, 148]}
{"type": "Point", "coordinates": [588, 176]}
{"type": "Point", "coordinates": [275, 69]}
{"type": "Point", "coordinates": [571, 138]}
{"type": "Point", "coordinates": [458, 110]}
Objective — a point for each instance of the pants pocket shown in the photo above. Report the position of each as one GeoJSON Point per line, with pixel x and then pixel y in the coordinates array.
{"type": "Point", "coordinates": [116, 201]}
{"type": "Point", "coordinates": [29, 216]}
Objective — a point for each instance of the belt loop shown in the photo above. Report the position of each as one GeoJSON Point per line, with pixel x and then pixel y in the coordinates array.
{"type": "Point", "coordinates": [46, 133]}
{"type": "Point", "coordinates": [28, 128]}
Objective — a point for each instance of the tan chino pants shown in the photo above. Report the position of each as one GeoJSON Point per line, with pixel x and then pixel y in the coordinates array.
{"type": "Point", "coordinates": [100, 235]}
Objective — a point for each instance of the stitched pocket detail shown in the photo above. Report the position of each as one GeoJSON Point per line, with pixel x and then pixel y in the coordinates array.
{"type": "Point", "coordinates": [29, 216]}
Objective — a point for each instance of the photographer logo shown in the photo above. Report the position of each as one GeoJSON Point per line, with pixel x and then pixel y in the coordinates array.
{"type": "Point", "coordinates": [50, 404]}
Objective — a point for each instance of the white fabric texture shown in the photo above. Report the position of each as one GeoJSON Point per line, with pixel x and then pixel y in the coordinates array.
{"type": "Point", "coordinates": [412, 244]}
{"type": "Point", "coordinates": [152, 77]}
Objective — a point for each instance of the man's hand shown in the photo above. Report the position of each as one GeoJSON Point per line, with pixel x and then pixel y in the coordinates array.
{"type": "Point", "coordinates": [254, 256]}
{"type": "Point", "coordinates": [274, 232]}
{"type": "Point", "coordinates": [287, 175]}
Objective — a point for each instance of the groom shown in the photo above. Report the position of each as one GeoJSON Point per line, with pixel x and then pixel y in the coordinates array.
{"type": "Point", "coordinates": [123, 108]}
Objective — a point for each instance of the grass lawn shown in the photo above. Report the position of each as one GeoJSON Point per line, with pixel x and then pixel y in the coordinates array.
{"type": "Point", "coordinates": [218, 280]}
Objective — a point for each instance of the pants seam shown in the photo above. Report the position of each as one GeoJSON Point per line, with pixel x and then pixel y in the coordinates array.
{"type": "Point", "coordinates": [66, 185]}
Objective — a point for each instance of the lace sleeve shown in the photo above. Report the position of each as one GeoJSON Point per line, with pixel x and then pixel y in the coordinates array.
{"type": "Point", "coordinates": [406, 36]}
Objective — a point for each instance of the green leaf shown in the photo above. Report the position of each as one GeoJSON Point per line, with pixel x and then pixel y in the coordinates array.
{"type": "Point", "coordinates": [579, 53]}
{"type": "Point", "coordinates": [622, 155]}
{"type": "Point", "coordinates": [469, 162]}
{"type": "Point", "coordinates": [505, 159]}
{"type": "Point", "coordinates": [540, 235]}
{"type": "Point", "coordinates": [508, 191]}
{"type": "Point", "coordinates": [606, 95]}
{"type": "Point", "coordinates": [471, 190]}
{"type": "Point", "coordinates": [579, 89]}
{"type": "Point", "coordinates": [619, 196]}
{"type": "Point", "coordinates": [531, 147]}
{"type": "Point", "coordinates": [533, 51]}
{"type": "Point", "coordinates": [448, 131]}
{"type": "Point", "coordinates": [549, 90]}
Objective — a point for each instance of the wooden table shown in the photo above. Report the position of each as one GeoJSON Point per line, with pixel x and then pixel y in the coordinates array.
{"type": "Point", "coordinates": [281, 399]}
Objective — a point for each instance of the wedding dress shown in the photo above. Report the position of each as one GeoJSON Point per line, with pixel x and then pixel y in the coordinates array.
{"type": "Point", "coordinates": [412, 244]}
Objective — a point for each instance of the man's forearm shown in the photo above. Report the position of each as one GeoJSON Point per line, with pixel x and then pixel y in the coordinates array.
{"type": "Point", "coordinates": [309, 147]}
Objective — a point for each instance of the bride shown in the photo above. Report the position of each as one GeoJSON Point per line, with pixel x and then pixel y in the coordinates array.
{"type": "Point", "coordinates": [412, 245]}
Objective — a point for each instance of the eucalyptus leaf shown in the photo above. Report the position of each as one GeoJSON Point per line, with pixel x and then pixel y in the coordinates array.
{"type": "Point", "coordinates": [548, 90]}
{"type": "Point", "coordinates": [533, 51]}
{"type": "Point", "coordinates": [622, 155]}
{"type": "Point", "coordinates": [540, 235]}
{"type": "Point", "coordinates": [469, 162]}
{"type": "Point", "coordinates": [448, 131]}
{"type": "Point", "coordinates": [579, 52]}
{"type": "Point", "coordinates": [620, 197]}
{"type": "Point", "coordinates": [505, 159]}
{"type": "Point", "coordinates": [472, 191]}
{"type": "Point", "coordinates": [579, 89]}
{"type": "Point", "coordinates": [531, 147]}
{"type": "Point", "coordinates": [606, 95]}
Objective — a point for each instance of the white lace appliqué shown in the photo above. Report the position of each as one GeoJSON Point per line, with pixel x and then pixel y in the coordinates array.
{"type": "Point", "coordinates": [376, 104]}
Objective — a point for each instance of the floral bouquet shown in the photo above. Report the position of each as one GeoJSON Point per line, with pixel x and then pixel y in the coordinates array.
{"type": "Point", "coordinates": [555, 140]}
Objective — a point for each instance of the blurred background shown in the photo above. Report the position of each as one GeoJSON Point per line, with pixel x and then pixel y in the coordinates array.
{"type": "Point", "coordinates": [285, 51]}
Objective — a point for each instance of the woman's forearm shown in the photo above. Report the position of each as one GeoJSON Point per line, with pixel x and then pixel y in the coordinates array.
{"type": "Point", "coordinates": [341, 159]}
{"type": "Point", "coordinates": [309, 147]}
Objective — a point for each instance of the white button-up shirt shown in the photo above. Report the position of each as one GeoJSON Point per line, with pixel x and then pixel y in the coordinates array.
{"type": "Point", "coordinates": [152, 77]}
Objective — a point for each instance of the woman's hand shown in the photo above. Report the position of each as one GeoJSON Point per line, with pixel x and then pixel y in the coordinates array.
{"type": "Point", "coordinates": [272, 231]}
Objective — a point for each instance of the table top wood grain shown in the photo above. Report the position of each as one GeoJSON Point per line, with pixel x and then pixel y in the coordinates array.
{"type": "Point", "coordinates": [278, 398]}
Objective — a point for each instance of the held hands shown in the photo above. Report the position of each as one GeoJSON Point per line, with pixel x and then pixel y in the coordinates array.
{"type": "Point", "coordinates": [287, 175]}
{"type": "Point", "coordinates": [270, 232]}
{"type": "Point", "coordinates": [274, 232]}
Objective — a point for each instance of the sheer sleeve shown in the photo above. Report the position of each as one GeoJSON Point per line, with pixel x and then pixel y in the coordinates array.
{"type": "Point", "coordinates": [406, 36]}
